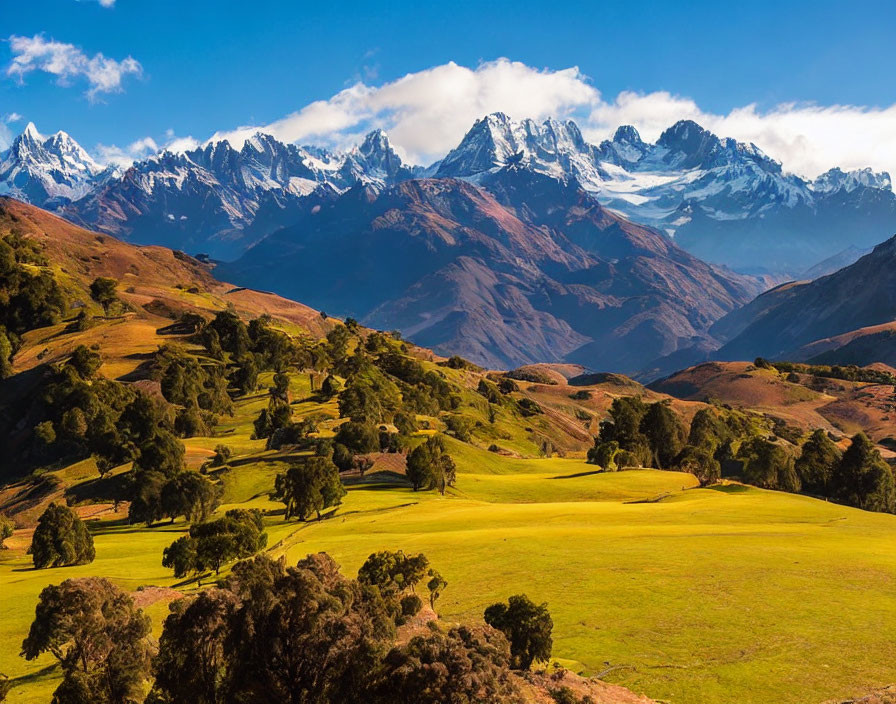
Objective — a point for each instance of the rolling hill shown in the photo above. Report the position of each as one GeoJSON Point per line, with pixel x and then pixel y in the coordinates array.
{"type": "Point", "coordinates": [655, 585]}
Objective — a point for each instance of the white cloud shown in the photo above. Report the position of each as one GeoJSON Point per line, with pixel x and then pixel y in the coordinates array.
{"type": "Point", "coordinates": [142, 148]}
{"type": "Point", "coordinates": [68, 63]}
{"type": "Point", "coordinates": [808, 139]}
{"type": "Point", "coordinates": [11, 117]}
{"type": "Point", "coordinates": [107, 3]}
{"type": "Point", "coordinates": [125, 156]}
{"type": "Point", "coordinates": [427, 113]}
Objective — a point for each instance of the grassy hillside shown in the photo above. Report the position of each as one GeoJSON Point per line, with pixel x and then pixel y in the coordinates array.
{"type": "Point", "coordinates": [687, 594]}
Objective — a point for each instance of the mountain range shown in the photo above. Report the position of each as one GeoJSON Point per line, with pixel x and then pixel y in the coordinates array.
{"type": "Point", "coordinates": [724, 201]}
{"type": "Point", "coordinates": [519, 268]}
{"type": "Point", "coordinates": [524, 244]}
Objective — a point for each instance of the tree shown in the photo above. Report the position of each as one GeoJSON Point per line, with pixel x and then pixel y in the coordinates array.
{"type": "Point", "coordinates": [303, 635]}
{"type": "Point", "coordinates": [245, 376]}
{"type": "Point", "coordinates": [85, 362]}
{"type": "Point", "coordinates": [146, 497]}
{"type": "Point", "coordinates": [527, 626]}
{"type": "Point", "coordinates": [461, 666]}
{"type": "Point", "coordinates": [768, 465]}
{"type": "Point", "coordinates": [280, 389]}
{"type": "Point", "coordinates": [360, 438]}
{"type": "Point", "coordinates": [436, 585]}
{"type": "Point", "coordinates": [161, 452]}
{"type": "Point", "coordinates": [7, 528]}
{"type": "Point", "coordinates": [664, 432]}
{"type": "Point", "coordinates": [393, 572]}
{"type": "Point", "coordinates": [429, 466]}
{"type": "Point", "coordinates": [190, 495]}
{"type": "Point", "coordinates": [603, 454]}
{"type": "Point", "coordinates": [309, 488]}
{"type": "Point", "coordinates": [61, 539]}
{"type": "Point", "coordinates": [100, 639]}
{"type": "Point", "coordinates": [817, 462]}
{"type": "Point", "coordinates": [191, 665]}
{"type": "Point", "coordinates": [863, 479]}
{"type": "Point", "coordinates": [330, 387]}
{"type": "Point", "coordinates": [237, 535]}
{"type": "Point", "coordinates": [624, 424]}
{"type": "Point", "coordinates": [102, 290]}
{"type": "Point", "coordinates": [700, 462]}
{"type": "Point", "coordinates": [222, 455]}
{"type": "Point", "coordinates": [406, 423]}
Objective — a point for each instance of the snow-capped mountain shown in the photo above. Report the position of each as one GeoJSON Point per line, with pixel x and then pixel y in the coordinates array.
{"type": "Point", "coordinates": [724, 200]}
{"type": "Point", "coordinates": [48, 171]}
{"type": "Point", "coordinates": [219, 200]}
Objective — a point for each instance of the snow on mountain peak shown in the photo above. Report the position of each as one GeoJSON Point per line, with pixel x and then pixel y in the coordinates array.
{"type": "Point", "coordinates": [836, 179]}
{"type": "Point", "coordinates": [30, 132]}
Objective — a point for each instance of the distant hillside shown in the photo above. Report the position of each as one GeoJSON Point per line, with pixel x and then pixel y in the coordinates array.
{"type": "Point", "coordinates": [785, 322]}
{"type": "Point", "coordinates": [804, 401]}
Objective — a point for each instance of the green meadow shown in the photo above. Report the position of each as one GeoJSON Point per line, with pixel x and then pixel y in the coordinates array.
{"type": "Point", "coordinates": [709, 596]}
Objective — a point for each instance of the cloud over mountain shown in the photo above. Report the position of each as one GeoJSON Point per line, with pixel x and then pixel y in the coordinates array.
{"type": "Point", "coordinates": [427, 112]}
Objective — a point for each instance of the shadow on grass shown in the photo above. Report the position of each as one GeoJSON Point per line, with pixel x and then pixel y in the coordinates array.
{"type": "Point", "coordinates": [730, 488]}
{"type": "Point", "coordinates": [579, 474]}
{"type": "Point", "coordinates": [32, 677]}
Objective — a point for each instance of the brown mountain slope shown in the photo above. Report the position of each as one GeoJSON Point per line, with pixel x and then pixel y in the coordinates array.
{"type": "Point", "coordinates": [784, 321]}
{"type": "Point", "coordinates": [525, 269]}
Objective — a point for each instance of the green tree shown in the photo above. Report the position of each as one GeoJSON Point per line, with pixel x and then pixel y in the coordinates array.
{"type": "Point", "coordinates": [863, 479]}
{"type": "Point", "coordinates": [429, 466]}
{"type": "Point", "coordinates": [161, 452]}
{"type": "Point", "coordinates": [664, 432]}
{"type": "Point", "coordinates": [190, 495]}
{"type": "Point", "coordinates": [292, 621]}
{"type": "Point", "coordinates": [604, 454]}
{"type": "Point", "coordinates": [222, 455]}
{"type": "Point", "coordinates": [7, 527]}
{"type": "Point", "coordinates": [768, 465]}
{"type": "Point", "coordinates": [102, 290]}
{"type": "Point", "coordinates": [330, 387]}
{"type": "Point", "coordinates": [406, 423]}
{"type": "Point", "coordinates": [99, 637]}
{"type": "Point", "coordinates": [360, 438]}
{"type": "Point", "coordinates": [61, 539]}
{"type": "Point", "coordinates": [191, 665]}
{"type": "Point", "coordinates": [817, 462]}
{"type": "Point", "coordinates": [461, 666]}
{"type": "Point", "coordinates": [700, 462]}
{"type": "Point", "coordinates": [236, 535]}
{"type": "Point", "coordinates": [309, 487]}
{"type": "Point", "coordinates": [393, 572]}
{"type": "Point", "coordinates": [624, 423]}
{"type": "Point", "coordinates": [527, 626]}
{"type": "Point", "coordinates": [436, 585]}
{"type": "Point", "coordinates": [85, 362]}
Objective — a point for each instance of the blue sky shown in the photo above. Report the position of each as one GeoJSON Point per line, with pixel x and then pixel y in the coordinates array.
{"type": "Point", "coordinates": [198, 67]}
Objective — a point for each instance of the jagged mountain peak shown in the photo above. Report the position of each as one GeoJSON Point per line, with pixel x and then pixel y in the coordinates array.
{"type": "Point", "coordinates": [30, 132]}
{"type": "Point", "coordinates": [837, 179]}
{"type": "Point", "coordinates": [627, 134]}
